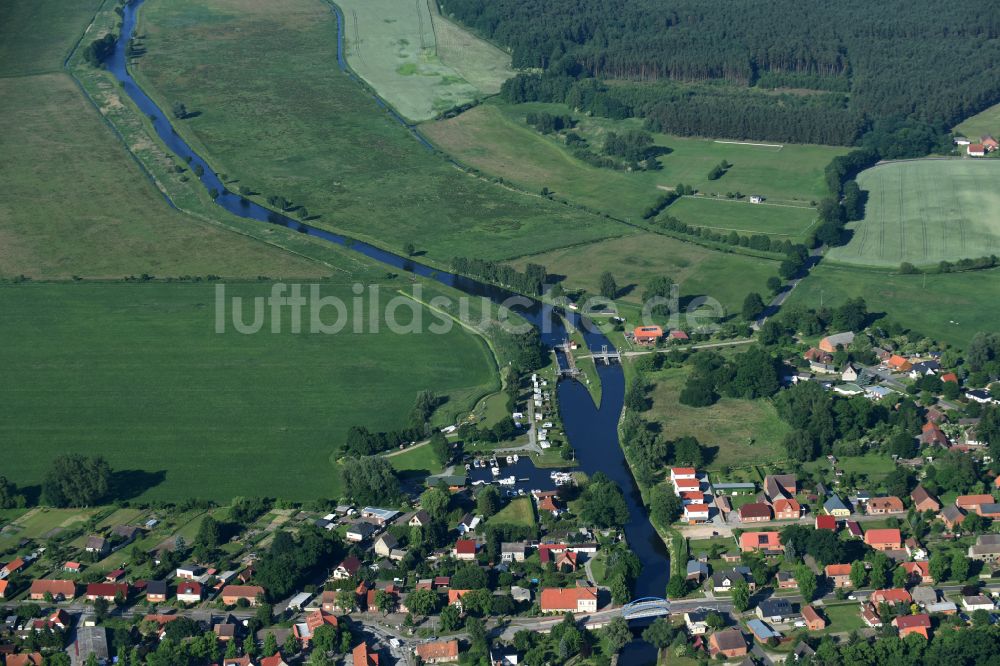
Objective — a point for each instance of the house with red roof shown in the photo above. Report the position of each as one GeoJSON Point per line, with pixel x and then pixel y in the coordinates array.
{"type": "Point", "coordinates": [362, 655]}
{"type": "Point", "coordinates": [755, 512]}
{"type": "Point", "coordinates": [455, 597]}
{"type": "Point", "coordinates": [465, 549]}
{"type": "Point", "coordinates": [973, 502]}
{"type": "Point", "coordinates": [825, 522]}
{"type": "Point", "coordinates": [880, 506]}
{"type": "Point", "coordinates": [814, 621]}
{"type": "Point", "coordinates": [232, 594]}
{"type": "Point", "coordinates": [647, 335]}
{"type": "Point", "coordinates": [106, 591]}
{"type": "Point", "coordinates": [686, 485]}
{"type": "Point", "coordinates": [766, 542]}
{"type": "Point", "coordinates": [25, 659]}
{"type": "Point", "coordinates": [932, 435]}
{"type": "Point", "coordinates": [976, 150]}
{"type": "Point", "coordinates": [913, 624]}
{"type": "Point", "coordinates": [678, 335]}
{"type": "Point", "coordinates": [884, 539]}
{"type": "Point", "coordinates": [189, 592]}
{"type": "Point", "coordinates": [12, 567]}
{"type": "Point", "coordinates": [839, 574]}
{"type": "Point", "coordinates": [950, 377]}
{"type": "Point", "coordinates": [891, 596]}
{"type": "Point", "coordinates": [304, 630]}
{"type": "Point", "coordinates": [897, 363]}
{"type": "Point", "coordinates": [919, 572]}
{"type": "Point", "coordinates": [274, 660]}
{"type": "Point", "coordinates": [60, 590]}
{"type": "Point", "coordinates": [571, 599]}
{"type": "Point", "coordinates": [924, 501]}
{"type": "Point", "coordinates": [786, 509]}
{"type": "Point", "coordinates": [695, 513]}
{"type": "Point", "coordinates": [438, 652]}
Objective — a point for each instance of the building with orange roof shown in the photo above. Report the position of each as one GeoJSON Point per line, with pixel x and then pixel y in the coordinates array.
{"type": "Point", "coordinates": [755, 512]}
{"type": "Point", "coordinates": [766, 542]}
{"type": "Point", "coordinates": [25, 659]}
{"type": "Point", "coordinates": [438, 651]}
{"type": "Point", "coordinates": [59, 589]}
{"type": "Point", "coordinates": [274, 660]}
{"type": "Point", "coordinates": [455, 596]}
{"type": "Point", "coordinates": [231, 594]}
{"type": "Point", "coordinates": [919, 572]}
{"type": "Point", "coordinates": [692, 497]}
{"type": "Point", "coordinates": [12, 567]}
{"type": "Point", "coordinates": [814, 621]}
{"type": "Point", "coordinates": [647, 335]}
{"type": "Point", "coordinates": [465, 549]}
{"type": "Point", "coordinates": [686, 485]}
{"type": "Point", "coordinates": [839, 574]}
{"type": "Point", "coordinates": [973, 502]}
{"type": "Point", "coordinates": [304, 630]}
{"type": "Point", "coordinates": [363, 656]}
{"type": "Point", "coordinates": [786, 509]}
{"type": "Point", "coordinates": [949, 377]}
{"type": "Point", "coordinates": [884, 539]}
{"type": "Point", "coordinates": [570, 599]}
{"type": "Point", "coordinates": [892, 596]}
{"type": "Point", "coordinates": [878, 506]}
{"type": "Point", "coordinates": [924, 501]}
{"type": "Point", "coordinates": [695, 513]}
{"type": "Point", "coordinates": [913, 624]}
{"type": "Point", "coordinates": [897, 363]}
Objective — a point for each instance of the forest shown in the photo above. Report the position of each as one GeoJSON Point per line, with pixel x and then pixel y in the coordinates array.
{"type": "Point", "coordinates": [780, 70]}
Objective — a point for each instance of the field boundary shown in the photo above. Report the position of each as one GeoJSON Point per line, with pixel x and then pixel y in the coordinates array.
{"type": "Point", "coordinates": [748, 143]}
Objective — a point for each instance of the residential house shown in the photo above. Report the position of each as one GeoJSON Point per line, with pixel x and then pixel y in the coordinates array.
{"type": "Point", "coordinates": [573, 600]}
{"type": "Point", "coordinates": [826, 522]}
{"type": "Point", "coordinates": [274, 660]}
{"type": "Point", "coordinates": [932, 435]}
{"type": "Point", "coordinates": [696, 622]}
{"type": "Point", "coordinates": [465, 549]}
{"type": "Point", "coordinates": [981, 396]}
{"type": "Point", "coordinates": [814, 621]}
{"type": "Point", "coordinates": [766, 542]}
{"type": "Point", "coordinates": [849, 374]}
{"type": "Point", "coordinates": [678, 473]}
{"type": "Point", "coordinates": [696, 513]}
{"type": "Point", "coordinates": [59, 619]}
{"type": "Point", "coordinates": [4, 584]}
{"type": "Point", "coordinates": [225, 631]}
{"type": "Point", "coordinates": [924, 595]}
{"type": "Point", "coordinates": [232, 594]}
{"type": "Point", "coordinates": [919, 572]}
{"type": "Point", "coordinates": [678, 336]}
{"type": "Point", "coordinates": [975, 150]}
{"type": "Point", "coordinates": [107, 591]}
{"type": "Point", "coordinates": [780, 486]}
{"type": "Point", "coordinates": [950, 377]}
{"type": "Point", "coordinates": [25, 659]}
{"type": "Point", "coordinates": [419, 519]}
{"type": "Point", "coordinates": [884, 539]}
{"type": "Point", "coordinates": [566, 561]}
{"type": "Point", "coordinates": [156, 591]}
{"type": "Point", "coordinates": [723, 581]}
{"type": "Point", "coordinates": [189, 592]}
{"type": "Point", "coordinates": [869, 615]}
{"type": "Point", "coordinates": [897, 363]}
{"type": "Point", "coordinates": [728, 642]}
{"type": "Point", "coordinates": [839, 574]}
{"type": "Point", "coordinates": [973, 502]}
{"type": "Point", "coordinates": [830, 343]}
{"type": "Point", "coordinates": [647, 335]}
{"type": "Point", "coordinates": [891, 596]}
{"type": "Point", "coordinates": [986, 548]}
{"type": "Point", "coordinates": [774, 609]}
{"type": "Point", "coordinates": [304, 630]}
{"type": "Point", "coordinates": [513, 551]}
{"type": "Point", "coordinates": [438, 652]}
{"type": "Point", "coordinates": [952, 516]}
{"type": "Point", "coordinates": [924, 501]}
{"type": "Point", "coordinates": [834, 506]}
{"type": "Point", "coordinates": [348, 568]}
{"type": "Point", "coordinates": [913, 624]}
{"type": "Point", "coordinates": [991, 511]}
{"type": "Point", "coordinates": [696, 571]}
{"type": "Point", "coordinates": [785, 580]}
{"type": "Point", "coordinates": [60, 590]}
{"type": "Point", "coordinates": [359, 531]}
{"type": "Point", "coordinates": [384, 545]}
{"type": "Point", "coordinates": [362, 655]}
{"type": "Point", "coordinates": [762, 631]}
{"type": "Point", "coordinates": [756, 512]}
{"type": "Point", "coordinates": [73, 567]}
{"type": "Point", "coordinates": [977, 602]}
{"type": "Point", "coordinates": [126, 534]}
{"type": "Point", "coordinates": [989, 143]}
{"type": "Point", "coordinates": [787, 509]}
{"type": "Point", "coordinates": [924, 369]}
{"type": "Point", "coordinates": [98, 545]}
{"type": "Point", "coordinates": [468, 524]}
{"type": "Point", "coordinates": [189, 571]}
{"type": "Point", "coordinates": [878, 506]}
{"type": "Point", "coordinates": [854, 528]}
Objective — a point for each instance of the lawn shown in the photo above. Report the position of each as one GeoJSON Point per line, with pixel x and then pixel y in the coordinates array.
{"type": "Point", "coordinates": [393, 46]}
{"type": "Point", "coordinates": [841, 618]}
{"type": "Point", "coordinates": [302, 129]}
{"type": "Point", "coordinates": [635, 260]}
{"type": "Point", "coordinates": [36, 35]}
{"type": "Point", "coordinates": [745, 432]}
{"type": "Point", "coordinates": [494, 138]}
{"type": "Point", "coordinates": [518, 512]}
{"type": "Point", "coordinates": [415, 461]}
{"type": "Point", "coordinates": [925, 211]}
{"type": "Point", "coordinates": [985, 122]}
{"type": "Point", "coordinates": [40, 522]}
{"type": "Point", "coordinates": [950, 307]}
{"type": "Point", "coordinates": [136, 372]}
{"type": "Point", "coordinates": [722, 214]}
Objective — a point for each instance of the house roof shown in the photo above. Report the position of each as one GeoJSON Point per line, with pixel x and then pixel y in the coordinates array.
{"type": "Point", "coordinates": [189, 587]}
{"type": "Point", "coordinates": [826, 522]}
{"type": "Point", "coordinates": [884, 535]}
{"type": "Point", "coordinates": [892, 596]}
{"type": "Point", "coordinates": [838, 570]}
{"type": "Point", "coordinates": [920, 495]}
{"type": "Point", "coordinates": [728, 639]}
{"type": "Point", "coordinates": [889, 503]}
{"type": "Point", "coordinates": [775, 606]}
{"type": "Point", "coordinates": [351, 564]}
{"type": "Point", "coordinates": [465, 547]}
{"type": "Point", "coordinates": [682, 471]}
{"type": "Point", "coordinates": [247, 591]}
{"type": "Point", "coordinates": [648, 332]}
{"type": "Point", "coordinates": [834, 503]}
{"type": "Point", "coordinates": [917, 568]}
{"type": "Point", "coordinates": [971, 501]}
{"type": "Point", "coordinates": [786, 505]}
{"type": "Point", "coordinates": [761, 630]}
{"type": "Point", "coordinates": [156, 587]}
{"type": "Point", "coordinates": [760, 540]}
{"type": "Point", "coordinates": [106, 589]}
{"type": "Point", "coordinates": [556, 598]}
{"type": "Point", "coordinates": [439, 650]}
{"type": "Point", "coordinates": [66, 588]}
{"type": "Point", "coordinates": [755, 510]}
{"type": "Point", "coordinates": [811, 614]}
{"type": "Point", "coordinates": [912, 621]}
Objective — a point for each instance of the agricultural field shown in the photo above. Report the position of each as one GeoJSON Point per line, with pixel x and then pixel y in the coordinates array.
{"type": "Point", "coordinates": [745, 432]}
{"type": "Point", "coordinates": [926, 211]}
{"type": "Point", "coordinates": [394, 46]}
{"type": "Point", "coordinates": [724, 215]}
{"type": "Point", "coordinates": [947, 307]}
{"type": "Point", "coordinates": [635, 260]}
{"type": "Point", "coordinates": [983, 123]}
{"type": "Point", "coordinates": [494, 138]}
{"type": "Point", "coordinates": [309, 133]}
{"type": "Point", "coordinates": [136, 372]}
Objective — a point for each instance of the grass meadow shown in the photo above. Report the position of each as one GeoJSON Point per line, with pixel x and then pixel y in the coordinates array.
{"type": "Point", "coordinates": [722, 214]}
{"type": "Point", "coordinates": [36, 35]}
{"type": "Point", "coordinates": [137, 373]}
{"type": "Point", "coordinates": [494, 138]}
{"type": "Point", "coordinates": [950, 307]}
{"type": "Point", "coordinates": [746, 432]}
{"type": "Point", "coordinates": [519, 512]}
{"type": "Point", "coordinates": [635, 260]}
{"type": "Point", "coordinates": [301, 129]}
{"type": "Point", "coordinates": [418, 61]}
{"type": "Point", "coordinates": [983, 123]}
{"type": "Point", "coordinates": [926, 211]}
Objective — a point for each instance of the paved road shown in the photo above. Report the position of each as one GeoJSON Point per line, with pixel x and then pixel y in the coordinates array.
{"type": "Point", "coordinates": [779, 299]}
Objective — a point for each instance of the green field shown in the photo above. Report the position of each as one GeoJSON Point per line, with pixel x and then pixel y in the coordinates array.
{"type": "Point", "coordinates": [137, 373]}
{"type": "Point", "coordinates": [301, 129]}
{"type": "Point", "coordinates": [746, 432]}
{"type": "Point", "coordinates": [635, 260]}
{"type": "Point", "coordinates": [950, 307]}
{"type": "Point", "coordinates": [926, 211]}
{"type": "Point", "coordinates": [393, 46]}
{"type": "Point", "coordinates": [494, 138]}
{"type": "Point", "coordinates": [415, 461]}
{"type": "Point", "coordinates": [519, 512]}
{"type": "Point", "coordinates": [983, 123]}
{"type": "Point", "coordinates": [723, 215]}
{"type": "Point", "coordinates": [36, 35]}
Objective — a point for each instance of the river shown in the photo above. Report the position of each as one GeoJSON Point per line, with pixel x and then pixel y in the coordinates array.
{"type": "Point", "coordinates": [592, 429]}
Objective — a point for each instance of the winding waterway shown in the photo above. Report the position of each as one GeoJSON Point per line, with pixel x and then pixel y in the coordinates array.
{"type": "Point", "coordinates": [592, 429]}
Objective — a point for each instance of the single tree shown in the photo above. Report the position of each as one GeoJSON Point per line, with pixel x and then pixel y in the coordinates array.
{"type": "Point", "coordinates": [608, 286]}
